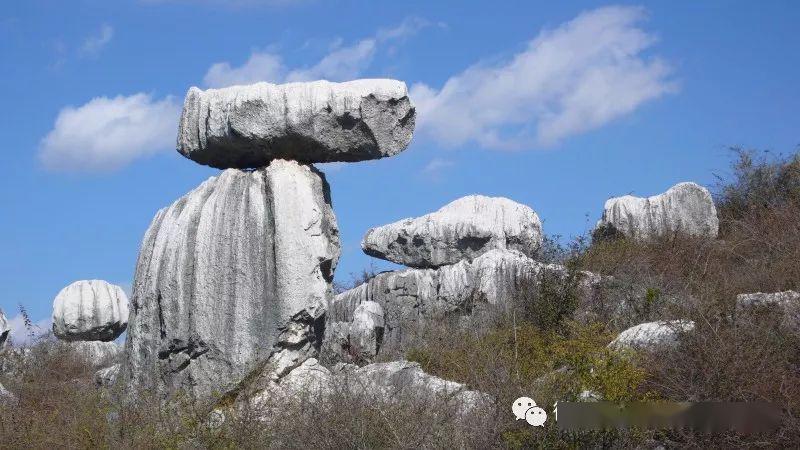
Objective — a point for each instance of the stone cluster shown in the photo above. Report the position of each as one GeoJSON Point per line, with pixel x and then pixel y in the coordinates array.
{"type": "Point", "coordinates": [234, 278]}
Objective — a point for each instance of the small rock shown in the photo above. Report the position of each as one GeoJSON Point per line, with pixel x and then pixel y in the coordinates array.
{"type": "Point", "coordinates": [6, 396]}
{"type": "Point", "coordinates": [249, 126]}
{"type": "Point", "coordinates": [786, 302]}
{"type": "Point", "coordinates": [686, 208]}
{"type": "Point", "coordinates": [108, 376]}
{"type": "Point", "coordinates": [651, 335]}
{"type": "Point", "coordinates": [90, 310]}
{"type": "Point", "coordinates": [5, 329]}
{"type": "Point", "coordinates": [463, 229]}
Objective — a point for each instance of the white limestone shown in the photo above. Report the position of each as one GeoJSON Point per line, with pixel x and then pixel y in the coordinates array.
{"type": "Point", "coordinates": [225, 274]}
{"type": "Point", "coordinates": [107, 376]}
{"type": "Point", "coordinates": [412, 298]}
{"type": "Point", "coordinates": [90, 310]}
{"type": "Point", "coordinates": [320, 121]}
{"type": "Point", "coordinates": [5, 329]}
{"type": "Point", "coordinates": [684, 208]}
{"type": "Point", "coordinates": [463, 229]}
{"type": "Point", "coordinates": [96, 353]}
{"type": "Point", "coordinates": [651, 335]}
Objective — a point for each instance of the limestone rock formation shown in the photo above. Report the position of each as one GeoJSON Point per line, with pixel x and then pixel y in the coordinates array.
{"type": "Point", "coordinates": [463, 229]}
{"type": "Point", "coordinates": [780, 299]}
{"type": "Point", "coordinates": [5, 329]}
{"type": "Point", "coordinates": [651, 335]}
{"type": "Point", "coordinates": [6, 396]}
{"type": "Point", "coordinates": [786, 303]}
{"type": "Point", "coordinates": [96, 353]}
{"type": "Point", "coordinates": [107, 376]}
{"type": "Point", "coordinates": [382, 382]}
{"type": "Point", "coordinates": [248, 126]}
{"type": "Point", "coordinates": [90, 310]}
{"type": "Point", "coordinates": [227, 273]}
{"type": "Point", "coordinates": [413, 297]}
{"type": "Point", "coordinates": [686, 208]}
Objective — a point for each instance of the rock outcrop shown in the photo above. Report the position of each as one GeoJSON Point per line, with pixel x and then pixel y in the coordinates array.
{"type": "Point", "coordinates": [6, 396]}
{"type": "Point", "coordinates": [651, 335]}
{"type": "Point", "coordinates": [96, 353]}
{"type": "Point", "coordinates": [5, 330]}
{"type": "Point", "coordinates": [463, 229]}
{"type": "Point", "coordinates": [377, 382]}
{"type": "Point", "coordinates": [249, 126]}
{"type": "Point", "coordinates": [412, 298]}
{"type": "Point", "coordinates": [786, 303]}
{"type": "Point", "coordinates": [227, 273]}
{"type": "Point", "coordinates": [684, 208]}
{"type": "Point", "coordinates": [106, 377]}
{"type": "Point", "coordinates": [90, 310]}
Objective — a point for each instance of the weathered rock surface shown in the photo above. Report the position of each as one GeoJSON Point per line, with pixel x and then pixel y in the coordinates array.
{"type": "Point", "coordinates": [96, 353]}
{"type": "Point", "coordinates": [5, 329]}
{"type": "Point", "coordinates": [463, 229]}
{"type": "Point", "coordinates": [224, 272]}
{"type": "Point", "coordinates": [412, 298]}
{"type": "Point", "coordinates": [107, 376]}
{"type": "Point", "coordinates": [780, 299]}
{"type": "Point", "coordinates": [248, 126]}
{"type": "Point", "coordinates": [383, 382]}
{"type": "Point", "coordinates": [90, 310]}
{"type": "Point", "coordinates": [787, 303]}
{"type": "Point", "coordinates": [684, 208]}
{"type": "Point", "coordinates": [6, 396]}
{"type": "Point", "coordinates": [651, 335]}
{"type": "Point", "coordinates": [361, 339]}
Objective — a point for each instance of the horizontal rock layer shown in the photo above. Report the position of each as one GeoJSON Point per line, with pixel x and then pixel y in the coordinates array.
{"type": "Point", "coordinates": [684, 208]}
{"type": "Point", "coordinates": [320, 121]}
{"type": "Point", "coordinates": [90, 310]}
{"type": "Point", "coordinates": [223, 271]}
{"type": "Point", "coordinates": [463, 229]}
{"type": "Point", "coordinates": [413, 297]}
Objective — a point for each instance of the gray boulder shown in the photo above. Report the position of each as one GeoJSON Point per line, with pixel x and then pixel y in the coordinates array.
{"type": "Point", "coordinates": [378, 382]}
{"type": "Point", "coordinates": [651, 335]}
{"type": "Point", "coordinates": [90, 310]}
{"type": "Point", "coordinates": [248, 126]}
{"type": "Point", "coordinates": [5, 329]}
{"type": "Point", "coordinates": [6, 396]}
{"type": "Point", "coordinates": [787, 303]}
{"type": "Point", "coordinates": [414, 298]}
{"type": "Point", "coordinates": [684, 208]}
{"type": "Point", "coordinates": [107, 376]}
{"type": "Point", "coordinates": [233, 272]}
{"type": "Point", "coordinates": [463, 229]}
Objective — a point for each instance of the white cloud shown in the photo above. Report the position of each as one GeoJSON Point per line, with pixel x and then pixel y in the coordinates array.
{"type": "Point", "coordinates": [433, 170]}
{"type": "Point", "coordinates": [94, 44]}
{"type": "Point", "coordinates": [341, 62]}
{"type": "Point", "coordinates": [577, 77]}
{"type": "Point", "coordinates": [108, 133]}
{"type": "Point", "coordinates": [20, 334]}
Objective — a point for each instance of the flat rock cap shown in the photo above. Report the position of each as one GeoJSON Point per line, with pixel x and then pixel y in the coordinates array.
{"type": "Point", "coordinates": [319, 121]}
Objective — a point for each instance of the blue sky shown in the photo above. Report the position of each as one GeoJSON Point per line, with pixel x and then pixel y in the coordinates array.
{"type": "Point", "coordinates": [558, 105]}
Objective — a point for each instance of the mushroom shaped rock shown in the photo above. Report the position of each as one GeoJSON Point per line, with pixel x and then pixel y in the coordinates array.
{"type": "Point", "coordinates": [463, 229]}
{"type": "Point", "coordinates": [248, 126]}
{"type": "Point", "coordinates": [90, 310]}
{"type": "Point", "coordinates": [684, 208]}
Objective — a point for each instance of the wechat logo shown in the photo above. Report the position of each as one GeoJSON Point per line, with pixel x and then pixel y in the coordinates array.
{"type": "Point", "coordinates": [524, 408]}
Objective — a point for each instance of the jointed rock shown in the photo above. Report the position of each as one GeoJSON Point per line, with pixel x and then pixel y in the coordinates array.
{"type": "Point", "coordinates": [90, 310]}
{"type": "Point", "coordinates": [248, 126]}
{"type": "Point", "coordinates": [463, 229]}
{"type": "Point", "coordinates": [685, 208]}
